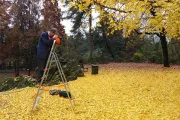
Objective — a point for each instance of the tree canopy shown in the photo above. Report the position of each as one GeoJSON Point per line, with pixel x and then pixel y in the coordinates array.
{"type": "Point", "coordinates": [146, 16]}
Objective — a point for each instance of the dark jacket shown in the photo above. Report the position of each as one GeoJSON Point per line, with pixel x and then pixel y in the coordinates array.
{"type": "Point", "coordinates": [44, 46]}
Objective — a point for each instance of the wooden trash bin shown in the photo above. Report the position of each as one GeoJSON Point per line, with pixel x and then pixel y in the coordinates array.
{"type": "Point", "coordinates": [94, 69]}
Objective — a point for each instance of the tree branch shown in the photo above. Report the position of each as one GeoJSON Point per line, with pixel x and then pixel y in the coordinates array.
{"type": "Point", "coordinates": [147, 33]}
{"type": "Point", "coordinates": [111, 8]}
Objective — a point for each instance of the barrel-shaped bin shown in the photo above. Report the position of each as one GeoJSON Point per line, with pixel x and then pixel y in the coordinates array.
{"type": "Point", "coordinates": [94, 69]}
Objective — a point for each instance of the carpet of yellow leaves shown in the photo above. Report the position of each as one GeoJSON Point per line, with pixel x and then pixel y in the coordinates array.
{"type": "Point", "coordinates": [118, 92]}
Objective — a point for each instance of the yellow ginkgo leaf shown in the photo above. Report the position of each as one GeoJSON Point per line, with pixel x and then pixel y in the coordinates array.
{"type": "Point", "coordinates": [53, 1]}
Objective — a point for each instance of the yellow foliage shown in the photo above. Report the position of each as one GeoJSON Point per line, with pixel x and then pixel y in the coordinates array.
{"type": "Point", "coordinates": [53, 1]}
{"type": "Point", "coordinates": [137, 11]}
{"type": "Point", "coordinates": [118, 92]}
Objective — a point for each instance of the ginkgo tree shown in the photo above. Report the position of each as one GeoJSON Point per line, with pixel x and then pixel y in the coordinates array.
{"type": "Point", "coordinates": [160, 17]}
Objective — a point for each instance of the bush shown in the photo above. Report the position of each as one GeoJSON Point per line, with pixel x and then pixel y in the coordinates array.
{"type": "Point", "coordinates": [138, 57]}
{"type": "Point", "coordinates": [70, 69]}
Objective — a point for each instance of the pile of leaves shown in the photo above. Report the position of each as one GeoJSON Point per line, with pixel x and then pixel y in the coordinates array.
{"type": "Point", "coordinates": [119, 92]}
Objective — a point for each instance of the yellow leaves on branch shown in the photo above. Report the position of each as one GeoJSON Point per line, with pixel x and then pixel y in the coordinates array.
{"type": "Point", "coordinates": [53, 1]}
{"type": "Point", "coordinates": [81, 5]}
{"type": "Point", "coordinates": [131, 14]}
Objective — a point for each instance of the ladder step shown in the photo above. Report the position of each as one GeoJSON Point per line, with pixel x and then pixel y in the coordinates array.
{"type": "Point", "coordinates": [45, 70]}
{"type": "Point", "coordinates": [54, 61]}
{"type": "Point", "coordinates": [53, 58]}
{"type": "Point", "coordinates": [44, 77]}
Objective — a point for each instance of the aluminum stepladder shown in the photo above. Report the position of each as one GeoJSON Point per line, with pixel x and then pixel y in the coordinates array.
{"type": "Point", "coordinates": [53, 57]}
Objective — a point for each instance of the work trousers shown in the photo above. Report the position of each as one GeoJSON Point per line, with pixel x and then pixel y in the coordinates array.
{"type": "Point", "coordinates": [41, 66]}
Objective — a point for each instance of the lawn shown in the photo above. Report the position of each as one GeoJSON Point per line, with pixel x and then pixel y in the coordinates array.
{"type": "Point", "coordinates": [125, 91]}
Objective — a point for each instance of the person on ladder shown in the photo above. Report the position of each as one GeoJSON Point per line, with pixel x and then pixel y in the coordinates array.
{"type": "Point", "coordinates": [43, 48]}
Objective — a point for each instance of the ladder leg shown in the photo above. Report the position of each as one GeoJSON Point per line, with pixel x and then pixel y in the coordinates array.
{"type": "Point", "coordinates": [48, 62]}
{"type": "Point", "coordinates": [36, 101]}
{"type": "Point", "coordinates": [54, 56]}
{"type": "Point", "coordinates": [63, 80]}
{"type": "Point", "coordinates": [48, 68]}
{"type": "Point", "coordinates": [61, 71]}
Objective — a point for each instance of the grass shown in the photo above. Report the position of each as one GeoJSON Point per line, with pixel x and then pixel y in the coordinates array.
{"type": "Point", "coordinates": [124, 91]}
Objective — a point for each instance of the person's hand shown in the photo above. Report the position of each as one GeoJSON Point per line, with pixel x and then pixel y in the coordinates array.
{"type": "Point", "coordinates": [54, 37]}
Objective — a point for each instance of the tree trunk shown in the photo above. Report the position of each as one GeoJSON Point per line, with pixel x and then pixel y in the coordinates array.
{"type": "Point", "coordinates": [9, 64]}
{"type": "Point", "coordinates": [107, 45]}
{"type": "Point", "coordinates": [29, 71]}
{"type": "Point", "coordinates": [17, 62]}
{"type": "Point", "coordinates": [90, 37]}
{"type": "Point", "coordinates": [30, 62]}
{"type": "Point", "coordinates": [16, 67]}
{"type": "Point", "coordinates": [164, 49]}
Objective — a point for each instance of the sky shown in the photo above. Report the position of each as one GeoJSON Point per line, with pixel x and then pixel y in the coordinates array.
{"type": "Point", "coordinates": [68, 24]}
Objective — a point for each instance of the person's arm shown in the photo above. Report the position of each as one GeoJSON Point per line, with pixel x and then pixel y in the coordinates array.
{"type": "Point", "coordinates": [46, 41]}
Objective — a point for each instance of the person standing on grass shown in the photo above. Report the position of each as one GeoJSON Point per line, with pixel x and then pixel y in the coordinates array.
{"type": "Point", "coordinates": [43, 49]}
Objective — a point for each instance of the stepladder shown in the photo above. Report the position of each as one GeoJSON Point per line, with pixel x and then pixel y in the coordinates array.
{"type": "Point", "coordinates": [53, 58]}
